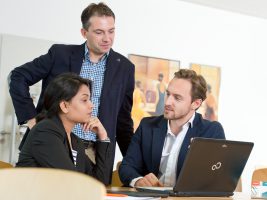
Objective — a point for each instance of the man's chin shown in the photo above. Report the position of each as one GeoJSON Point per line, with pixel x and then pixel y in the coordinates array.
{"type": "Point", "coordinates": [167, 116]}
{"type": "Point", "coordinates": [105, 50]}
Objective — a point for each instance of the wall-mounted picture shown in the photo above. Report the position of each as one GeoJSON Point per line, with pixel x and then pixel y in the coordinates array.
{"type": "Point", "coordinates": [151, 78]}
{"type": "Point", "coordinates": [212, 74]}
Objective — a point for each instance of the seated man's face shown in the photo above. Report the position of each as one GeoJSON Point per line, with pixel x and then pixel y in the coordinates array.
{"type": "Point", "coordinates": [178, 101]}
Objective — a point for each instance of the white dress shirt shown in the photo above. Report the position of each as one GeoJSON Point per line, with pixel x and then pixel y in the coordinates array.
{"type": "Point", "coordinates": [170, 153]}
{"type": "Point", "coordinates": [169, 156]}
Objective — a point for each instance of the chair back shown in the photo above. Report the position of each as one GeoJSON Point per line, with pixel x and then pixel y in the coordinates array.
{"type": "Point", "coordinates": [47, 183]}
{"type": "Point", "coordinates": [5, 165]}
{"type": "Point", "coordinates": [259, 175]}
{"type": "Point", "coordinates": [116, 182]}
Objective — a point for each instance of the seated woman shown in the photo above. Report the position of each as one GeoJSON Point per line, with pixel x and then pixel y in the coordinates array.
{"type": "Point", "coordinates": [51, 143]}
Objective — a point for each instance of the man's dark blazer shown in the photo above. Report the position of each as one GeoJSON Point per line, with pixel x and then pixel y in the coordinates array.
{"type": "Point", "coordinates": [116, 96]}
{"type": "Point", "coordinates": [47, 146]}
{"type": "Point", "coordinates": [144, 153]}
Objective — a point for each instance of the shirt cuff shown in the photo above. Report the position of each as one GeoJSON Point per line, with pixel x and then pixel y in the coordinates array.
{"type": "Point", "coordinates": [132, 183]}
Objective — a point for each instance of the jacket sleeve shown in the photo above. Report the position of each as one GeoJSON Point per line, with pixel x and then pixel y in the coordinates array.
{"type": "Point", "coordinates": [220, 132]}
{"type": "Point", "coordinates": [132, 165]}
{"type": "Point", "coordinates": [215, 130]}
{"type": "Point", "coordinates": [27, 75]}
{"type": "Point", "coordinates": [104, 159]}
{"type": "Point", "coordinates": [124, 121]}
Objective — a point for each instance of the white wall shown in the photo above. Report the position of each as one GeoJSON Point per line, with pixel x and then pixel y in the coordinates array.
{"type": "Point", "coordinates": [14, 53]}
{"type": "Point", "coordinates": [176, 30]}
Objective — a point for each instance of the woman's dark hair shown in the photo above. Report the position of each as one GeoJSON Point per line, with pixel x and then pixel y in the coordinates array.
{"type": "Point", "coordinates": [63, 88]}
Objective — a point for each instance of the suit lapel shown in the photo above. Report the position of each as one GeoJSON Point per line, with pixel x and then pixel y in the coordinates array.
{"type": "Point", "coordinates": [113, 62]}
{"type": "Point", "coordinates": [59, 123]}
{"type": "Point", "coordinates": [191, 133]}
{"type": "Point", "coordinates": [79, 148]}
{"type": "Point", "coordinates": [158, 137]}
{"type": "Point", "coordinates": [76, 58]}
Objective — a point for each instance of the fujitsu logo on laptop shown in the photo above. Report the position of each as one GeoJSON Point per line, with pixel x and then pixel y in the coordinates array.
{"type": "Point", "coordinates": [216, 166]}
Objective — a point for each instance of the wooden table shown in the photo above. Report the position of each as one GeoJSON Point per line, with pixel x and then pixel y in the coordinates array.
{"type": "Point", "coordinates": [237, 195]}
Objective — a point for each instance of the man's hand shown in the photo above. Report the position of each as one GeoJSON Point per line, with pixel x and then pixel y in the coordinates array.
{"type": "Point", "coordinates": [31, 123]}
{"type": "Point", "coordinates": [148, 180]}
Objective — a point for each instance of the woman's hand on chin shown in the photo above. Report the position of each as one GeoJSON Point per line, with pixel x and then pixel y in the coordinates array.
{"type": "Point", "coordinates": [96, 126]}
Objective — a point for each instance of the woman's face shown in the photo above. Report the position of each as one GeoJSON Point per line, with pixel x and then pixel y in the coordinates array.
{"type": "Point", "coordinates": [80, 107]}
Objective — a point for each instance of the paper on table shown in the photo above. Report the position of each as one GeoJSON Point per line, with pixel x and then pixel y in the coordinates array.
{"type": "Point", "coordinates": [130, 198]}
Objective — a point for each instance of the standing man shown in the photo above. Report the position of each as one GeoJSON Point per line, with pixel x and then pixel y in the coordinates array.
{"type": "Point", "coordinates": [159, 146]}
{"type": "Point", "coordinates": [112, 77]}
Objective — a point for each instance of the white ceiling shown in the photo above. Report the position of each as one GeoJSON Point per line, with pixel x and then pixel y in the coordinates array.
{"type": "Point", "coordinates": [256, 8]}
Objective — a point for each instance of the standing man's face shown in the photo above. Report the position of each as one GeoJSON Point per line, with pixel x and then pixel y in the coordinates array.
{"type": "Point", "coordinates": [178, 102]}
{"type": "Point", "coordinates": [100, 34]}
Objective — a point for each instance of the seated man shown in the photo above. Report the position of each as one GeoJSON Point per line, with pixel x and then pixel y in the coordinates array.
{"type": "Point", "coordinates": [159, 146]}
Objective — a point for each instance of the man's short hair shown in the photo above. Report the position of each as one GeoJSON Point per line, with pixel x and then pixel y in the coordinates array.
{"type": "Point", "coordinates": [94, 9]}
{"type": "Point", "coordinates": [199, 85]}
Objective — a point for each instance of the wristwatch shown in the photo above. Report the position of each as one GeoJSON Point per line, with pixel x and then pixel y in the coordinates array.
{"type": "Point", "coordinates": [105, 140]}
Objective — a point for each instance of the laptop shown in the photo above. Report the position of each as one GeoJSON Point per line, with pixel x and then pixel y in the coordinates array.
{"type": "Point", "coordinates": [212, 167]}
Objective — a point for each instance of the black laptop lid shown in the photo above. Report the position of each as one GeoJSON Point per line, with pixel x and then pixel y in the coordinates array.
{"type": "Point", "coordinates": [213, 165]}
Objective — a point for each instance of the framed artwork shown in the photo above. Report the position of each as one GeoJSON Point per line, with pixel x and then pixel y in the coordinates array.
{"type": "Point", "coordinates": [212, 74]}
{"type": "Point", "coordinates": [151, 78]}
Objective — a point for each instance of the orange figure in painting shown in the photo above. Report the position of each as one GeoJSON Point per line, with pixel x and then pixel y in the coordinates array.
{"type": "Point", "coordinates": [211, 106]}
{"type": "Point", "coordinates": [139, 102]}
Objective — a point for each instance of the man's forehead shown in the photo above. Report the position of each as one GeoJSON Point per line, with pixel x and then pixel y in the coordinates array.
{"type": "Point", "coordinates": [178, 86]}
{"type": "Point", "coordinates": [102, 24]}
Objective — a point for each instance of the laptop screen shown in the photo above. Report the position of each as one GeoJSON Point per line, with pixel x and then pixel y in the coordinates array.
{"type": "Point", "coordinates": [213, 165]}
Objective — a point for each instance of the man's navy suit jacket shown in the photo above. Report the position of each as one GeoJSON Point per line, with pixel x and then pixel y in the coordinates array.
{"type": "Point", "coordinates": [116, 96]}
{"type": "Point", "coordinates": [144, 153]}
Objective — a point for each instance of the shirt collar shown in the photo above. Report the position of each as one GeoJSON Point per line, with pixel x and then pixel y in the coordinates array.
{"type": "Point", "coordinates": [86, 54]}
{"type": "Point", "coordinates": [189, 123]}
